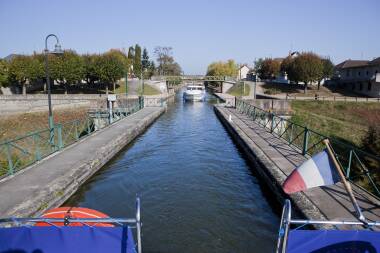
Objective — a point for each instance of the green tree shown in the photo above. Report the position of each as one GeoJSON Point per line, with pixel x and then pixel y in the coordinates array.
{"type": "Point", "coordinates": [109, 69]}
{"type": "Point", "coordinates": [145, 63]}
{"type": "Point", "coordinates": [287, 67]}
{"type": "Point", "coordinates": [307, 68]}
{"type": "Point", "coordinates": [137, 61]}
{"type": "Point", "coordinates": [269, 68]}
{"type": "Point", "coordinates": [328, 70]}
{"type": "Point", "coordinates": [25, 70]}
{"type": "Point", "coordinates": [4, 73]}
{"type": "Point", "coordinates": [67, 69]}
{"type": "Point", "coordinates": [220, 68]}
{"type": "Point", "coordinates": [90, 74]}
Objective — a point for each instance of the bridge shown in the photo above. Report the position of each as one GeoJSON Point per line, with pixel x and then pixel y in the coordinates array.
{"type": "Point", "coordinates": [195, 78]}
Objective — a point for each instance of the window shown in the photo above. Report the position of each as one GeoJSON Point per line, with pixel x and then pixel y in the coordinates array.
{"type": "Point", "coordinates": [348, 72]}
{"type": "Point", "coordinates": [369, 85]}
{"type": "Point", "coordinates": [367, 72]}
{"type": "Point", "coordinates": [360, 86]}
{"type": "Point", "coordinates": [359, 73]}
{"type": "Point", "coordinates": [353, 86]}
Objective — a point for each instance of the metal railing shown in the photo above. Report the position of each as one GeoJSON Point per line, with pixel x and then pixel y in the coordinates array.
{"type": "Point", "coordinates": [361, 168]}
{"type": "Point", "coordinates": [18, 153]}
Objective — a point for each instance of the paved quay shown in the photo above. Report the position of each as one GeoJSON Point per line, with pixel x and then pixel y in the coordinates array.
{"type": "Point", "coordinates": [275, 160]}
{"type": "Point", "coordinates": [50, 182]}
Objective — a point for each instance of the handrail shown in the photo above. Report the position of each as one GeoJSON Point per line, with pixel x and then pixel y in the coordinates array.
{"type": "Point", "coordinates": [309, 142]}
{"type": "Point", "coordinates": [22, 151]}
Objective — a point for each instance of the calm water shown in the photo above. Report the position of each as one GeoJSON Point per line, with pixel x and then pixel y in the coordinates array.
{"type": "Point", "coordinates": [198, 193]}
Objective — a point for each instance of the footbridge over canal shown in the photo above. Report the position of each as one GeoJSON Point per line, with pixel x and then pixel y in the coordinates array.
{"type": "Point", "coordinates": [277, 146]}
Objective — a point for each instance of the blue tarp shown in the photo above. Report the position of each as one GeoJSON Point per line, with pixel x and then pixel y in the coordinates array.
{"type": "Point", "coordinates": [66, 239]}
{"type": "Point", "coordinates": [333, 241]}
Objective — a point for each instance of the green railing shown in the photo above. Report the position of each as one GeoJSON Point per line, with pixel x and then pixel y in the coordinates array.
{"type": "Point", "coordinates": [361, 168]}
{"type": "Point", "coordinates": [18, 153]}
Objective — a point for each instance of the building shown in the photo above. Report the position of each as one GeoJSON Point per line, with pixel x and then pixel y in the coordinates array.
{"type": "Point", "coordinates": [243, 72]}
{"type": "Point", "coordinates": [361, 77]}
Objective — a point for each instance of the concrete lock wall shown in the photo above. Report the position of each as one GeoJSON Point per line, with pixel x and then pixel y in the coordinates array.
{"type": "Point", "coordinates": [14, 104]}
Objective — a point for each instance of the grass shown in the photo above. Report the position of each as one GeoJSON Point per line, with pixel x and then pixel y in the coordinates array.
{"type": "Point", "coordinates": [237, 89]}
{"type": "Point", "coordinates": [148, 90]}
{"type": "Point", "coordinates": [312, 90]}
{"type": "Point", "coordinates": [17, 125]}
{"type": "Point", "coordinates": [348, 121]}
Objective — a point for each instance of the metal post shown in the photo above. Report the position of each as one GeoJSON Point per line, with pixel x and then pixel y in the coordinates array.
{"type": "Point", "coordinates": [56, 51]}
{"type": "Point", "coordinates": [10, 162]}
{"type": "Point", "coordinates": [59, 133]}
{"type": "Point", "coordinates": [36, 139]}
{"type": "Point", "coordinates": [51, 120]}
{"type": "Point", "coordinates": [349, 165]}
{"type": "Point", "coordinates": [305, 141]}
{"type": "Point", "coordinates": [138, 225]}
{"type": "Point", "coordinates": [272, 122]}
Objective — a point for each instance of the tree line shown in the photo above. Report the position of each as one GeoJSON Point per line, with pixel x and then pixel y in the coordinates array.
{"type": "Point", "coordinates": [71, 68]}
{"type": "Point", "coordinates": [220, 68]}
{"type": "Point", "coordinates": [306, 67]}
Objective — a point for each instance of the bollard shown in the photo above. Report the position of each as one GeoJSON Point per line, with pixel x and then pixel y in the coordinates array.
{"type": "Point", "coordinates": [230, 118]}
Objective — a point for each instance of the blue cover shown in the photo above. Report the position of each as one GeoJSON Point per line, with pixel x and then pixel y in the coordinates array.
{"type": "Point", "coordinates": [334, 241]}
{"type": "Point", "coordinates": [66, 239]}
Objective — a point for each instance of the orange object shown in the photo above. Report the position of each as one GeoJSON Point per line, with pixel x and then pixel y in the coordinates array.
{"type": "Point", "coordinates": [73, 212]}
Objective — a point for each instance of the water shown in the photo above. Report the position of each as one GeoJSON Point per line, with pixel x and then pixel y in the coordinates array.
{"type": "Point", "coordinates": [197, 191]}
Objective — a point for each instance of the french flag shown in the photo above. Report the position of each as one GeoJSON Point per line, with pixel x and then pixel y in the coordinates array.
{"type": "Point", "coordinates": [319, 170]}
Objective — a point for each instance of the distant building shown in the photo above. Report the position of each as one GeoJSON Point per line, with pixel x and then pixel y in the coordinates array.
{"type": "Point", "coordinates": [243, 72]}
{"type": "Point", "coordinates": [360, 76]}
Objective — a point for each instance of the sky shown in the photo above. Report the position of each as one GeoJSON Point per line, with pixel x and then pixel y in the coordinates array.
{"type": "Point", "coordinates": [199, 31]}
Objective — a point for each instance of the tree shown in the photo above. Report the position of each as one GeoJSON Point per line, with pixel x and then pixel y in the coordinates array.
{"type": "Point", "coordinates": [67, 69]}
{"type": "Point", "coordinates": [269, 68]}
{"type": "Point", "coordinates": [109, 69]}
{"type": "Point", "coordinates": [25, 70]}
{"type": "Point", "coordinates": [166, 63]}
{"type": "Point", "coordinates": [220, 68]}
{"type": "Point", "coordinates": [328, 70]}
{"type": "Point", "coordinates": [4, 73]}
{"type": "Point", "coordinates": [287, 66]}
{"type": "Point", "coordinates": [137, 61]}
{"type": "Point", "coordinates": [307, 68]}
{"type": "Point", "coordinates": [90, 74]}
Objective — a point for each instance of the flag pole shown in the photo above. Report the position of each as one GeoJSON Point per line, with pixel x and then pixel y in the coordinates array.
{"type": "Point", "coordinates": [344, 181]}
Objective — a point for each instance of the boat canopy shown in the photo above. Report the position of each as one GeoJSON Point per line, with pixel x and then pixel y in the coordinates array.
{"type": "Point", "coordinates": [336, 241]}
{"type": "Point", "coordinates": [33, 239]}
{"type": "Point", "coordinates": [366, 240]}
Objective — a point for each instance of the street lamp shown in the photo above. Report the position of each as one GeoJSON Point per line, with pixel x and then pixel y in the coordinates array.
{"type": "Point", "coordinates": [58, 51]}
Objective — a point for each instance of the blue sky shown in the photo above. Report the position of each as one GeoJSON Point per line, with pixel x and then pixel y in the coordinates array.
{"type": "Point", "coordinates": [199, 31]}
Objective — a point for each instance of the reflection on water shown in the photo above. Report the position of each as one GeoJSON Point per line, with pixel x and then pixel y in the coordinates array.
{"type": "Point", "coordinates": [198, 193]}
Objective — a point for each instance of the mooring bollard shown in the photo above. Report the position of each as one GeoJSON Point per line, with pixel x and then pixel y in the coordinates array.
{"type": "Point", "coordinates": [230, 118]}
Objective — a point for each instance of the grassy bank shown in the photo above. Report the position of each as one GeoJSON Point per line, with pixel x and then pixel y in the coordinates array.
{"type": "Point", "coordinates": [348, 121]}
{"type": "Point", "coordinates": [237, 89]}
{"type": "Point", "coordinates": [18, 125]}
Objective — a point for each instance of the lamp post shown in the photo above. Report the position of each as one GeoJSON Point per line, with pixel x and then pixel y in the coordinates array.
{"type": "Point", "coordinates": [58, 51]}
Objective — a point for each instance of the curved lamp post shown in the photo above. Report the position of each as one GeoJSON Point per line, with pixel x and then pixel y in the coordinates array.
{"type": "Point", "coordinates": [58, 51]}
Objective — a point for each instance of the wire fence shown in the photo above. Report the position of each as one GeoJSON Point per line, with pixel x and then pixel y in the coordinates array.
{"type": "Point", "coordinates": [360, 167]}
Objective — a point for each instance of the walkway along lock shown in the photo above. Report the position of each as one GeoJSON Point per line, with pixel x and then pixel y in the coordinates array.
{"type": "Point", "coordinates": [360, 167]}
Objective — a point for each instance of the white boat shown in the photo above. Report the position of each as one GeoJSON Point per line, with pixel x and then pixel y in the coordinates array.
{"type": "Point", "coordinates": [194, 92]}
